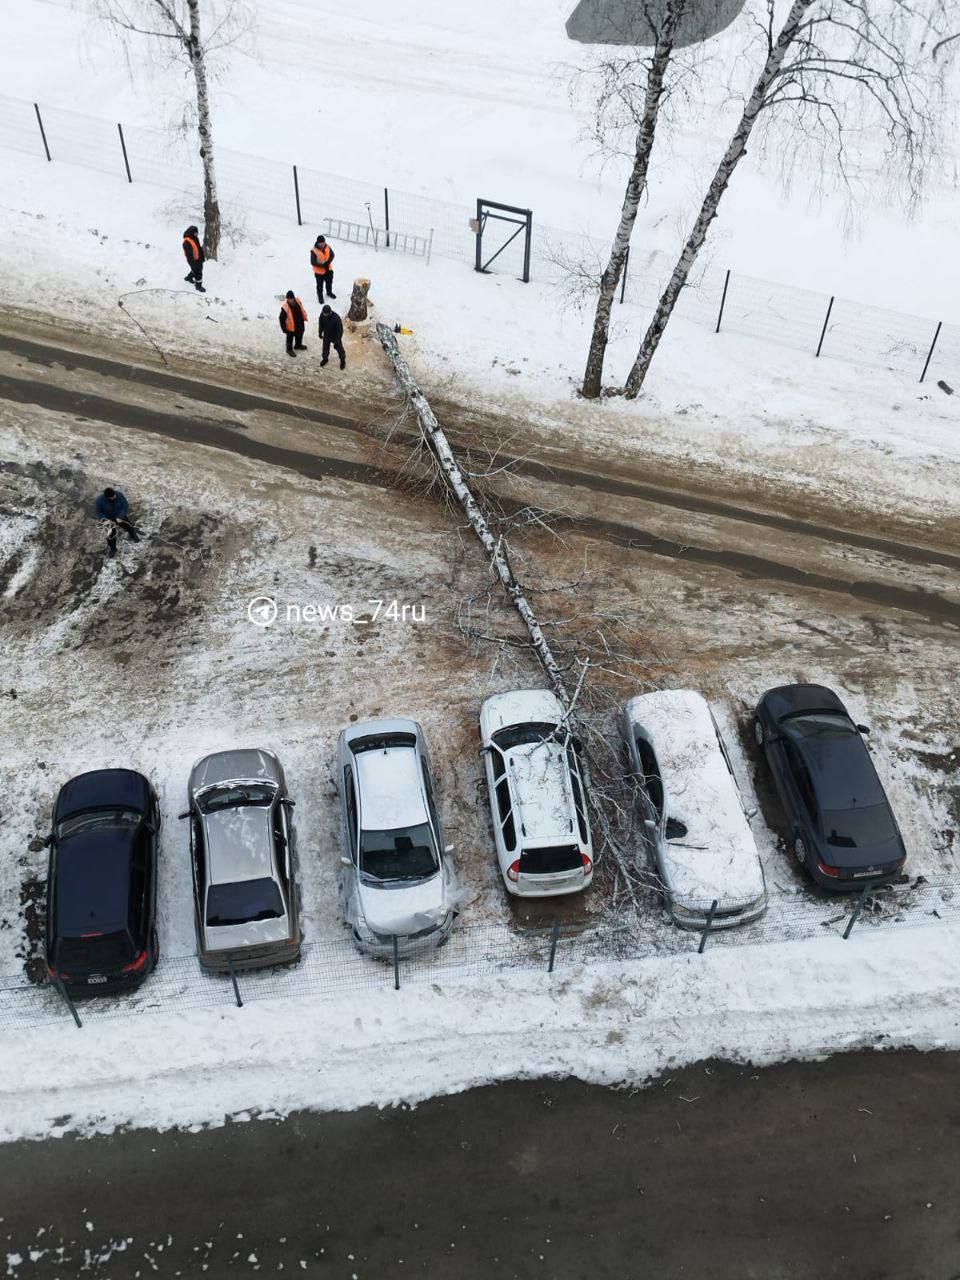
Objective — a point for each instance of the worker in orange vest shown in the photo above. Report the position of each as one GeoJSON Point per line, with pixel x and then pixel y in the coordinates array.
{"type": "Point", "coordinates": [321, 259]}
{"type": "Point", "coordinates": [293, 321]}
{"type": "Point", "coordinates": [193, 252]}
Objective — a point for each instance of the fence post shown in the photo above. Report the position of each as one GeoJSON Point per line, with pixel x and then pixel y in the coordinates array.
{"type": "Point", "coordinates": [623, 278]}
{"type": "Point", "coordinates": [430, 246]}
{"type": "Point", "coordinates": [123, 148]}
{"type": "Point", "coordinates": [855, 914]}
{"type": "Point", "coordinates": [43, 132]}
{"type": "Point", "coordinates": [526, 247]}
{"type": "Point", "coordinates": [65, 995]}
{"type": "Point", "coordinates": [707, 926]}
{"type": "Point", "coordinates": [554, 938]}
{"type": "Point", "coordinates": [236, 986]}
{"type": "Point", "coordinates": [723, 299]}
{"type": "Point", "coordinates": [933, 344]}
{"type": "Point", "coordinates": [396, 964]}
{"type": "Point", "coordinates": [296, 192]}
{"type": "Point", "coordinates": [386, 214]}
{"type": "Point", "coordinates": [826, 321]}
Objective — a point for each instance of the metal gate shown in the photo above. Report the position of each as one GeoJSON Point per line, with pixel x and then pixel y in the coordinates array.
{"type": "Point", "coordinates": [521, 219]}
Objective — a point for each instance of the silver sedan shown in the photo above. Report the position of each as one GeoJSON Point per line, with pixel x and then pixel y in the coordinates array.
{"type": "Point", "coordinates": [243, 856]}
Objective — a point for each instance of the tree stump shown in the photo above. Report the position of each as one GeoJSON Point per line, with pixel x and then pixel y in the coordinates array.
{"type": "Point", "coordinates": [359, 302]}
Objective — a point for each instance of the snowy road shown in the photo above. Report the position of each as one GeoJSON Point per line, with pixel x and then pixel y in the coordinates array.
{"type": "Point", "coordinates": [846, 1168]}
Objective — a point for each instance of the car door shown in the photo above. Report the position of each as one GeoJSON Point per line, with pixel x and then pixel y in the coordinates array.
{"type": "Point", "coordinates": [282, 843]}
{"type": "Point", "coordinates": [794, 780]}
{"type": "Point", "coordinates": [501, 806]}
{"type": "Point", "coordinates": [351, 828]}
{"type": "Point", "coordinates": [432, 806]}
{"type": "Point", "coordinates": [199, 869]}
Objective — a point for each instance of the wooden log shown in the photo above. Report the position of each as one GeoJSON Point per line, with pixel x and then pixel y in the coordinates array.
{"type": "Point", "coordinates": [359, 300]}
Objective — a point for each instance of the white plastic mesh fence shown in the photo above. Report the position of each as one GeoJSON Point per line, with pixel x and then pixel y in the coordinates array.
{"type": "Point", "coordinates": [568, 260]}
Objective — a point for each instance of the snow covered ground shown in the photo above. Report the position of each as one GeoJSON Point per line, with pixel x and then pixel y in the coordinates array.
{"type": "Point", "coordinates": [498, 76]}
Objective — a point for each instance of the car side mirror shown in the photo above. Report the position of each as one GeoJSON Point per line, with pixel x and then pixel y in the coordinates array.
{"type": "Point", "coordinates": [291, 804]}
{"type": "Point", "coordinates": [750, 814]}
{"type": "Point", "coordinates": [449, 848]}
{"type": "Point", "coordinates": [649, 822]}
{"type": "Point", "coordinates": [862, 728]}
{"type": "Point", "coordinates": [47, 840]}
{"type": "Point", "coordinates": [484, 751]}
{"type": "Point", "coordinates": [186, 813]}
{"type": "Point", "coordinates": [345, 861]}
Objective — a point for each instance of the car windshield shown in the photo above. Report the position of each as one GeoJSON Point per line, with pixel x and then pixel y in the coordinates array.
{"type": "Point", "coordinates": [859, 828]}
{"type": "Point", "coordinates": [406, 853]}
{"type": "Point", "coordinates": [547, 861]}
{"type": "Point", "coordinates": [522, 735]}
{"type": "Point", "coordinates": [236, 796]}
{"type": "Point", "coordinates": [97, 820]}
{"type": "Point", "coordinates": [244, 902]}
{"type": "Point", "coordinates": [818, 724]}
{"type": "Point", "coordinates": [96, 952]}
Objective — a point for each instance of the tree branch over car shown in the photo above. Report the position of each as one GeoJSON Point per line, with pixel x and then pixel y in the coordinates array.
{"type": "Point", "coordinates": [177, 24]}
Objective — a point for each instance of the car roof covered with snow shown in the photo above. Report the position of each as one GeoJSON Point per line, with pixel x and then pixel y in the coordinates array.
{"type": "Point", "coordinates": [543, 803]}
{"type": "Point", "coordinates": [391, 788]}
{"type": "Point", "coordinates": [717, 856]}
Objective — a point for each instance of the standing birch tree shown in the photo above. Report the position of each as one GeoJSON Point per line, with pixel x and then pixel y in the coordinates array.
{"type": "Point", "coordinates": [847, 75]}
{"type": "Point", "coordinates": [177, 23]}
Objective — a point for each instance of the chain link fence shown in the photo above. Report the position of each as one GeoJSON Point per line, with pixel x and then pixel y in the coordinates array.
{"type": "Point", "coordinates": [921, 349]}
{"type": "Point", "coordinates": [333, 966]}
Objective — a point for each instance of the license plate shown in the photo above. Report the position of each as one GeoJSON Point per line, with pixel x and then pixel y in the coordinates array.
{"type": "Point", "coordinates": [96, 977]}
{"type": "Point", "coordinates": [870, 871]}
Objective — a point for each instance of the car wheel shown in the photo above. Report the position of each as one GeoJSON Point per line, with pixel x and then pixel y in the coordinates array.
{"type": "Point", "coordinates": [800, 850]}
{"type": "Point", "coordinates": [758, 732]}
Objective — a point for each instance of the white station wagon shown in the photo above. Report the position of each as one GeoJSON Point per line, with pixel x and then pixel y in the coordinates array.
{"type": "Point", "coordinates": [537, 800]}
{"type": "Point", "coordinates": [692, 810]}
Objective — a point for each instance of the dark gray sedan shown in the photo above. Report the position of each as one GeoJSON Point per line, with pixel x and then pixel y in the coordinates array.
{"type": "Point", "coordinates": [841, 825]}
{"type": "Point", "coordinates": [243, 856]}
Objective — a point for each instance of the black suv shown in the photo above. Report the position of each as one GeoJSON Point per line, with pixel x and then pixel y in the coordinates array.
{"type": "Point", "coordinates": [842, 827]}
{"type": "Point", "coordinates": [102, 883]}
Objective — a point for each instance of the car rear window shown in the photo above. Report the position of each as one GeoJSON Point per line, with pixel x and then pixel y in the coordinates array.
{"type": "Point", "coordinates": [236, 797]}
{"type": "Point", "coordinates": [97, 820]}
{"type": "Point", "coordinates": [858, 828]}
{"type": "Point", "coordinates": [522, 735]}
{"type": "Point", "coordinates": [97, 953]}
{"type": "Point", "coordinates": [553, 858]}
{"type": "Point", "coordinates": [244, 902]}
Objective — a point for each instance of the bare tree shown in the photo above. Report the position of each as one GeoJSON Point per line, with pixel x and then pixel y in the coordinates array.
{"type": "Point", "coordinates": [617, 85]}
{"type": "Point", "coordinates": [178, 22]}
{"type": "Point", "coordinates": [831, 62]}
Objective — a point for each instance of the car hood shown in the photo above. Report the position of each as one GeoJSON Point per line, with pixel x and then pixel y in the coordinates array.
{"type": "Point", "coordinates": [249, 764]}
{"type": "Point", "coordinates": [404, 910]}
{"type": "Point", "coordinates": [520, 706]}
{"type": "Point", "coordinates": [786, 699]}
{"type": "Point", "coordinates": [732, 875]}
{"type": "Point", "coordinates": [258, 933]}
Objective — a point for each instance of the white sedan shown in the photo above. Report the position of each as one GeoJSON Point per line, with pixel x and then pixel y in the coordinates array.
{"type": "Point", "coordinates": [692, 810]}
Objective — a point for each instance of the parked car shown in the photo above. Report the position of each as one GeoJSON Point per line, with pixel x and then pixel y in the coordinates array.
{"type": "Point", "coordinates": [693, 813]}
{"type": "Point", "coordinates": [537, 800]}
{"type": "Point", "coordinates": [102, 884]}
{"type": "Point", "coordinates": [842, 828]}
{"type": "Point", "coordinates": [398, 880]}
{"type": "Point", "coordinates": [243, 853]}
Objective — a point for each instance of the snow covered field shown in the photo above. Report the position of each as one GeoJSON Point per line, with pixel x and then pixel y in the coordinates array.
{"type": "Point", "coordinates": [153, 661]}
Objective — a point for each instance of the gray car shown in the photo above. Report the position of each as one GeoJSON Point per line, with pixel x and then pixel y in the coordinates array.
{"type": "Point", "coordinates": [242, 847]}
{"type": "Point", "coordinates": [398, 880]}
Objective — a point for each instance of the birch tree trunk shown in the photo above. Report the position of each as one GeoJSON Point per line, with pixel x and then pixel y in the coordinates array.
{"type": "Point", "coordinates": [593, 374]}
{"type": "Point", "coordinates": [494, 547]}
{"type": "Point", "coordinates": [211, 200]}
{"type": "Point", "coordinates": [708, 210]}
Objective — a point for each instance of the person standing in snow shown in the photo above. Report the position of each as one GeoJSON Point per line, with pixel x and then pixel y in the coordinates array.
{"type": "Point", "coordinates": [112, 508]}
{"type": "Point", "coordinates": [293, 322]}
{"type": "Point", "coordinates": [321, 259]}
{"type": "Point", "coordinates": [193, 252]}
{"type": "Point", "coordinates": [331, 331]}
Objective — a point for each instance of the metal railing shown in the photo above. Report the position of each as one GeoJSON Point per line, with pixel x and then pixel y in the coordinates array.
{"type": "Point", "coordinates": [331, 966]}
{"type": "Point", "coordinates": [723, 300]}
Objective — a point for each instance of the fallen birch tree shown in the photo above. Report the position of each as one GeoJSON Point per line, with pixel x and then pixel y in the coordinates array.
{"type": "Point", "coordinates": [498, 553]}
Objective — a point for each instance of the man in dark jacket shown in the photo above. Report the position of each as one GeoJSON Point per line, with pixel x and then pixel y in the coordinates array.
{"type": "Point", "coordinates": [321, 259]}
{"type": "Point", "coordinates": [293, 321]}
{"type": "Point", "coordinates": [331, 331]}
{"type": "Point", "coordinates": [193, 252]}
{"type": "Point", "coordinates": [113, 508]}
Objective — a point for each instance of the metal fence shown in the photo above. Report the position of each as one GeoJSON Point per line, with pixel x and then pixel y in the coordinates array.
{"type": "Point", "coordinates": [805, 320]}
{"type": "Point", "coordinates": [333, 966]}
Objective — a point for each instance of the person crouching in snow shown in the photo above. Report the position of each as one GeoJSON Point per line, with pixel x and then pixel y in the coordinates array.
{"type": "Point", "coordinates": [293, 321]}
{"type": "Point", "coordinates": [193, 252]}
{"type": "Point", "coordinates": [112, 508]}
{"type": "Point", "coordinates": [331, 331]}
